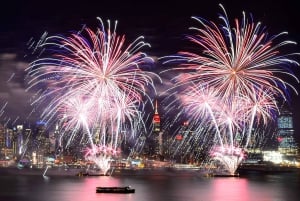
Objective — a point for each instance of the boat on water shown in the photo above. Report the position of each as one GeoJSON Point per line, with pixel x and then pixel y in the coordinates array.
{"type": "Point", "coordinates": [225, 175]}
{"type": "Point", "coordinates": [91, 174]}
{"type": "Point", "coordinates": [125, 189]}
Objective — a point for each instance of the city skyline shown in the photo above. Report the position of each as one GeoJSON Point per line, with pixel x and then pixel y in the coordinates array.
{"type": "Point", "coordinates": [163, 25]}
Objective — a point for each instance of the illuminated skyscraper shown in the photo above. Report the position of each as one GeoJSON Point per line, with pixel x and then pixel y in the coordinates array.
{"type": "Point", "coordinates": [2, 142]}
{"type": "Point", "coordinates": [285, 133]}
{"type": "Point", "coordinates": [20, 139]}
{"type": "Point", "coordinates": [158, 139]}
{"type": "Point", "coordinates": [156, 120]}
{"type": "Point", "coordinates": [2, 136]}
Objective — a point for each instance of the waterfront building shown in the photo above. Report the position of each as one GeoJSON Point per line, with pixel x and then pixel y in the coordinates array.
{"type": "Point", "coordinates": [285, 133]}
{"type": "Point", "coordinates": [6, 149]}
{"type": "Point", "coordinates": [41, 143]}
{"type": "Point", "coordinates": [56, 139]}
{"type": "Point", "coordinates": [2, 142]}
{"type": "Point", "coordinates": [184, 145]}
{"type": "Point", "coordinates": [26, 144]}
{"type": "Point", "coordinates": [9, 140]}
{"type": "Point", "coordinates": [2, 136]}
{"type": "Point", "coordinates": [19, 139]}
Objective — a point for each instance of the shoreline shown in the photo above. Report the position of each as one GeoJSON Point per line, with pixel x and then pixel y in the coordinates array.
{"type": "Point", "coordinates": [56, 171]}
{"type": "Point", "coordinates": [83, 172]}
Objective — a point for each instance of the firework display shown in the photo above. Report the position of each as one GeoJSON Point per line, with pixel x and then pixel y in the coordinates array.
{"type": "Point", "coordinates": [233, 83]}
{"type": "Point", "coordinates": [93, 84]}
{"type": "Point", "coordinates": [226, 88]}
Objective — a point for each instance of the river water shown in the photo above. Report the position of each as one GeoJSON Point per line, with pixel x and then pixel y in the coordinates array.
{"type": "Point", "coordinates": [251, 187]}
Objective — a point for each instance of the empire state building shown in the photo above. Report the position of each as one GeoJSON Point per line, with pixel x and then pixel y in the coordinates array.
{"type": "Point", "coordinates": [156, 120]}
{"type": "Point", "coordinates": [158, 139]}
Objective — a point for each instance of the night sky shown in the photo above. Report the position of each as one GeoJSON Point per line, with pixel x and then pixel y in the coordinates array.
{"type": "Point", "coordinates": [163, 23]}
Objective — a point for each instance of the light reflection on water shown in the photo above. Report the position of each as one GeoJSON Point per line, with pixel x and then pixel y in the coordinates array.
{"type": "Point", "coordinates": [284, 187]}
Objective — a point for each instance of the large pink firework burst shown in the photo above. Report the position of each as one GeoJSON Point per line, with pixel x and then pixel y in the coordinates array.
{"type": "Point", "coordinates": [94, 80]}
{"type": "Point", "coordinates": [92, 64]}
{"type": "Point", "coordinates": [237, 60]}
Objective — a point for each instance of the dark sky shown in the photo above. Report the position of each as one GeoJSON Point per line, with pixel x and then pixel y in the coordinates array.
{"type": "Point", "coordinates": [162, 22]}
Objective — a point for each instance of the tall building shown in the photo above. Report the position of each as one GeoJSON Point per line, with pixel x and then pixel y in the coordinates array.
{"type": "Point", "coordinates": [2, 136]}
{"type": "Point", "coordinates": [185, 145]}
{"type": "Point", "coordinates": [285, 133]}
{"type": "Point", "coordinates": [156, 120]}
{"type": "Point", "coordinates": [2, 142]}
{"type": "Point", "coordinates": [20, 139]}
{"type": "Point", "coordinates": [158, 135]}
{"type": "Point", "coordinates": [42, 143]}
{"type": "Point", "coordinates": [27, 139]}
{"type": "Point", "coordinates": [10, 143]}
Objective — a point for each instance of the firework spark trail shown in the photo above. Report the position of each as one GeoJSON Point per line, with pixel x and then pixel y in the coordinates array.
{"type": "Point", "coordinates": [243, 67]}
{"type": "Point", "coordinates": [100, 78]}
{"type": "Point", "coordinates": [261, 105]}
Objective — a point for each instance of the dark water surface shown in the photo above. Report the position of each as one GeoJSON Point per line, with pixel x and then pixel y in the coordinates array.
{"type": "Point", "coordinates": [252, 187]}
